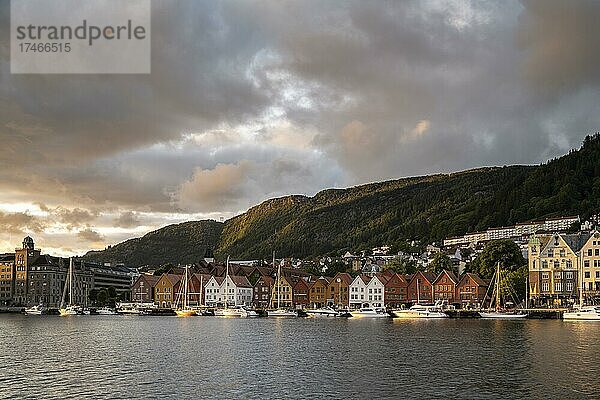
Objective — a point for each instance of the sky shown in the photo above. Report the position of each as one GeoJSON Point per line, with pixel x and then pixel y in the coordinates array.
{"type": "Point", "coordinates": [249, 100]}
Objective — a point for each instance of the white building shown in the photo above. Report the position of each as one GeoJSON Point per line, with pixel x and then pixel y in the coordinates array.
{"type": "Point", "coordinates": [375, 291]}
{"type": "Point", "coordinates": [237, 290]}
{"type": "Point", "coordinates": [358, 291]}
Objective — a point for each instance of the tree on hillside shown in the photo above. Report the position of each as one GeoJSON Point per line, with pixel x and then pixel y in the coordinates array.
{"type": "Point", "coordinates": [504, 251]}
{"type": "Point", "coordinates": [402, 265]}
{"type": "Point", "coordinates": [439, 263]}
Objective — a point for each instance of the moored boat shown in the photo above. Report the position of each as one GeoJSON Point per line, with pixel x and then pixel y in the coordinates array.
{"type": "Point", "coordinates": [231, 312]}
{"type": "Point", "coordinates": [420, 311]}
{"type": "Point", "coordinates": [71, 308]}
{"type": "Point", "coordinates": [369, 312]}
{"type": "Point", "coordinates": [323, 312]}
{"type": "Point", "coordinates": [498, 312]}
{"type": "Point", "coordinates": [583, 313]}
{"type": "Point", "coordinates": [106, 311]}
{"type": "Point", "coordinates": [36, 310]}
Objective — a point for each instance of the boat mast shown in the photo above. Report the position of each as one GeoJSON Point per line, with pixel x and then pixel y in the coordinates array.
{"type": "Point", "coordinates": [71, 281]}
{"type": "Point", "coordinates": [498, 286]}
{"type": "Point", "coordinates": [582, 284]}
{"type": "Point", "coordinates": [185, 288]}
{"type": "Point", "coordinates": [526, 291]}
{"type": "Point", "coordinates": [418, 292]}
{"type": "Point", "coordinates": [227, 283]}
{"type": "Point", "coordinates": [278, 280]}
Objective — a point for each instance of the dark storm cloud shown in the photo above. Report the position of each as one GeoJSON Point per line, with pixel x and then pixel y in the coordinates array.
{"type": "Point", "coordinates": [249, 100]}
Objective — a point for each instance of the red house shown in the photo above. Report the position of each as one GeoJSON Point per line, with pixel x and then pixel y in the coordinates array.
{"type": "Point", "coordinates": [395, 289]}
{"type": "Point", "coordinates": [420, 287]}
{"type": "Point", "coordinates": [444, 287]}
{"type": "Point", "coordinates": [472, 290]}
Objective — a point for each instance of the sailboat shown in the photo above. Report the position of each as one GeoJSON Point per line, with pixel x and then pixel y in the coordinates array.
{"type": "Point", "coordinates": [238, 311]}
{"type": "Point", "coordinates": [498, 312]}
{"type": "Point", "coordinates": [71, 308]}
{"type": "Point", "coordinates": [182, 305]}
{"type": "Point", "coordinates": [420, 310]}
{"type": "Point", "coordinates": [278, 312]}
{"type": "Point", "coordinates": [582, 312]}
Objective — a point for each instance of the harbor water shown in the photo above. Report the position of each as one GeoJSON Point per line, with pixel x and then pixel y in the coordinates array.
{"type": "Point", "coordinates": [218, 358]}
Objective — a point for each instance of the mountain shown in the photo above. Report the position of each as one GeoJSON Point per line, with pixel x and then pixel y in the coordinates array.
{"type": "Point", "coordinates": [180, 243]}
{"type": "Point", "coordinates": [425, 208]}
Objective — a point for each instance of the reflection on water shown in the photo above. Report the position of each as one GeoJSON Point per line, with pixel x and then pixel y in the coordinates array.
{"type": "Point", "coordinates": [205, 357]}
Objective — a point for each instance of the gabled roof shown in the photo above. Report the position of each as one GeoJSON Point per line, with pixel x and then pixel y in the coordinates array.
{"type": "Point", "coordinates": [267, 281]}
{"type": "Point", "coordinates": [420, 274]}
{"type": "Point", "coordinates": [344, 276]}
{"type": "Point", "coordinates": [204, 280]}
{"type": "Point", "coordinates": [240, 281]}
{"type": "Point", "coordinates": [383, 278]}
{"type": "Point", "coordinates": [151, 279]}
{"type": "Point", "coordinates": [172, 278]}
{"type": "Point", "coordinates": [447, 273]}
{"type": "Point", "coordinates": [474, 277]}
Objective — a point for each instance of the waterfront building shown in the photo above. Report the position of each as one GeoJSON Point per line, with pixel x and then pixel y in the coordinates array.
{"type": "Point", "coordinates": [300, 292]}
{"type": "Point", "coordinates": [395, 290]}
{"type": "Point", "coordinates": [282, 292]}
{"type": "Point", "coordinates": [444, 287]}
{"type": "Point", "coordinates": [420, 287]}
{"type": "Point", "coordinates": [7, 264]}
{"type": "Point", "coordinates": [358, 291]}
{"type": "Point", "coordinates": [375, 289]}
{"type": "Point", "coordinates": [471, 291]}
{"type": "Point", "coordinates": [338, 291]}
{"type": "Point", "coordinates": [233, 289]}
{"type": "Point", "coordinates": [553, 267]}
{"type": "Point", "coordinates": [317, 295]}
{"type": "Point", "coordinates": [142, 290]}
{"type": "Point", "coordinates": [23, 258]}
{"type": "Point", "coordinates": [198, 288]}
{"type": "Point", "coordinates": [107, 275]}
{"type": "Point", "coordinates": [262, 292]}
{"type": "Point", "coordinates": [165, 290]}
{"type": "Point", "coordinates": [590, 266]}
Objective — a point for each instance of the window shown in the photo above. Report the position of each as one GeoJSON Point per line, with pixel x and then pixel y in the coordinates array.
{"type": "Point", "coordinates": [545, 286]}
{"type": "Point", "coordinates": [544, 264]}
{"type": "Point", "coordinates": [587, 274]}
{"type": "Point", "coordinates": [569, 286]}
{"type": "Point", "coordinates": [597, 252]}
{"type": "Point", "coordinates": [590, 252]}
{"type": "Point", "coordinates": [557, 275]}
{"type": "Point", "coordinates": [551, 253]}
{"type": "Point", "coordinates": [569, 275]}
{"type": "Point", "coordinates": [562, 252]}
{"type": "Point", "coordinates": [556, 264]}
{"type": "Point", "coordinates": [558, 286]}
{"type": "Point", "coordinates": [569, 264]}
{"type": "Point", "coordinates": [586, 263]}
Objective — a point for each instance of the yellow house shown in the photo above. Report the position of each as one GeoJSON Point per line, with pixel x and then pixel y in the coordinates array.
{"type": "Point", "coordinates": [165, 291]}
{"type": "Point", "coordinates": [590, 262]}
{"type": "Point", "coordinates": [282, 295]}
{"type": "Point", "coordinates": [553, 263]}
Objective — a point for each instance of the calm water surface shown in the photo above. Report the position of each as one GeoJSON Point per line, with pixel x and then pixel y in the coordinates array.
{"type": "Point", "coordinates": [206, 357]}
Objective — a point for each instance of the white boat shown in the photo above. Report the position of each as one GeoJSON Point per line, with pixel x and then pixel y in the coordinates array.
{"type": "Point", "coordinates": [498, 312]}
{"type": "Point", "coordinates": [35, 310]}
{"type": "Point", "coordinates": [182, 304]}
{"type": "Point", "coordinates": [71, 308]}
{"type": "Point", "coordinates": [277, 311]}
{"type": "Point", "coordinates": [106, 311]}
{"type": "Point", "coordinates": [369, 312]}
{"type": "Point", "coordinates": [232, 312]}
{"type": "Point", "coordinates": [583, 313]}
{"type": "Point", "coordinates": [420, 311]}
{"type": "Point", "coordinates": [281, 313]}
{"type": "Point", "coordinates": [323, 312]}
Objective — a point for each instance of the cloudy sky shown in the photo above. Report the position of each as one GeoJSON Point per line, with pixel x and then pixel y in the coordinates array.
{"type": "Point", "coordinates": [251, 100]}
